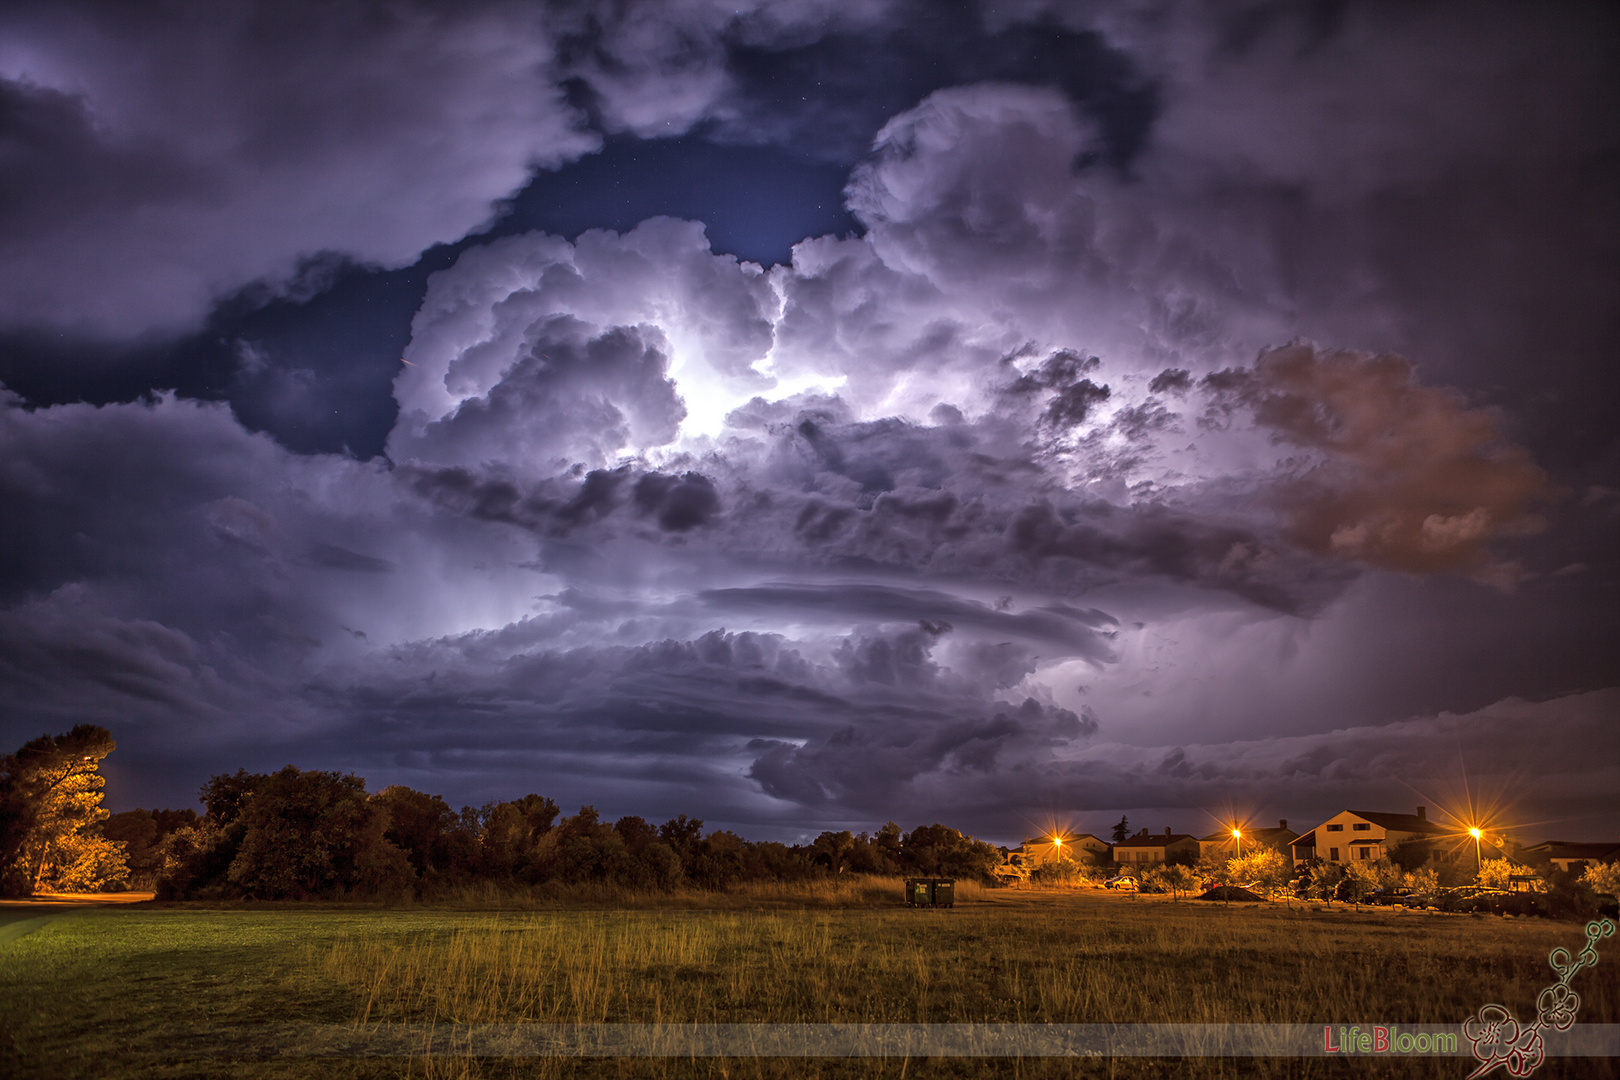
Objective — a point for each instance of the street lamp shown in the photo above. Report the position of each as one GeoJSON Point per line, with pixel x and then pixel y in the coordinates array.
{"type": "Point", "coordinates": [1474, 831]}
{"type": "Point", "coordinates": [1237, 834]}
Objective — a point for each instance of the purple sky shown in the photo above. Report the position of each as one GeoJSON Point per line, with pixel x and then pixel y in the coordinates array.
{"type": "Point", "coordinates": [805, 414]}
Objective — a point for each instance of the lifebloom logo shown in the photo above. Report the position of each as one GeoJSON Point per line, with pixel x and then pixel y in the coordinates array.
{"type": "Point", "coordinates": [1499, 1041]}
{"type": "Point", "coordinates": [1380, 1039]}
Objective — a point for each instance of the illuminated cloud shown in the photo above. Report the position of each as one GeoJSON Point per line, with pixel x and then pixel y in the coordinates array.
{"type": "Point", "coordinates": [1020, 497]}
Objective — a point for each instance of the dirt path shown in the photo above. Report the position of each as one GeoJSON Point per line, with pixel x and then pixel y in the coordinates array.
{"type": "Point", "coordinates": [19, 917]}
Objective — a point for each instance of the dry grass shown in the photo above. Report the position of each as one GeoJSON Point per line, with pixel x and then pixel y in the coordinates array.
{"type": "Point", "coordinates": [1089, 960]}
{"type": "Point", "coordinates": [1040, 958]}
{"type": "Point", "coordinates": [146, 992]}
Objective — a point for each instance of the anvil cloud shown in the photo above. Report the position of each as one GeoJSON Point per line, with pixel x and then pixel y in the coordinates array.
{"type": "Point", "coordinates": [1213, 469]}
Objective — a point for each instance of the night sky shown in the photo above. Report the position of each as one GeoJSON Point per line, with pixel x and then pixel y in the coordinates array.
{"type": "Point", "coordinates": [806, 414]}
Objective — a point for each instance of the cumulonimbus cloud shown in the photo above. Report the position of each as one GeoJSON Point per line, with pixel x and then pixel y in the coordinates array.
{"type": "Point", "coordinates": [919, 519]}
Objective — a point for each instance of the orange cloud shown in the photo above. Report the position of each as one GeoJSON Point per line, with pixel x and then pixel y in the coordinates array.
{"type": "Point", "coordinates": [1407, 478]}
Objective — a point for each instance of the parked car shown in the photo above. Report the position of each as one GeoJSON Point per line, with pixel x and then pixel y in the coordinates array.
{"type": "Point", "coordinates": [1127, 882]}
{"type": "Point", "coordinates": [1393, 897]}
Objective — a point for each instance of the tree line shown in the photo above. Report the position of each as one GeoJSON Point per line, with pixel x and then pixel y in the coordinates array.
{"type": "Point", "coordinates": [306, 834]}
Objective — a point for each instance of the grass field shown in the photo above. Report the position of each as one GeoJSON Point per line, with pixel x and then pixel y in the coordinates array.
{"type": "Point", "coordinates": [181, 991]}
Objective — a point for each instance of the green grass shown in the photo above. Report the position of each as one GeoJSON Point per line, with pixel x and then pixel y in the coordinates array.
{"type": "Point", "coordinates": [154, 992]}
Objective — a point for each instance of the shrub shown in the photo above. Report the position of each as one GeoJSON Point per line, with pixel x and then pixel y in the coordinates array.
{"type": "Point", "coordinates": [1366, 877]}
{"type": "Point", "coordinates": [1424, 883]}
{"type": "Point", "coordinates": [1265, 869]}
{"type": "Point", "coordinates": [1602, 878]}
{"type": "Point", "coordinates": [1322, 879]}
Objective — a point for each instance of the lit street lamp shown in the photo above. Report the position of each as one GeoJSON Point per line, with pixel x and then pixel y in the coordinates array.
{"type": "Point", "coordinates": [1237, 834]}
{"type": "Point", "coordinates": [1475, 832]}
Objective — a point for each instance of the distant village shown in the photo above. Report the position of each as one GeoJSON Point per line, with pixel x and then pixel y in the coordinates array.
{"type": "Point", "coordinates": [1350, 839]}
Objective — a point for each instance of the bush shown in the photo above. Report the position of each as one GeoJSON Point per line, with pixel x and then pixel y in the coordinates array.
{"type": "Point", "coordinates": [1569, 897]}
{"type": "Point", "coordinates": [1602, 878]}
{"type": "Point", "coordinates": [1424, 883]}
{"type": "Point", "coordinates": [1266, 870]}
{"type": "Point", "coordinates": [1322, 879]}
{"type": "Point", "coordinates": [1067, 871]}
{"type": "Point", "coordinates": [1363, 878]}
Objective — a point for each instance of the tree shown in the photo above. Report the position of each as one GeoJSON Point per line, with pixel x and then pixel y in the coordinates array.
{"type": "Point", "coordinates": [1323, 878]}
{"type": "Point", "coordinates": [1366, 876]}
{"type": "Point", "coordinates": [1412, 853]}
{"type": "Point", "coordinates": [1602, 878]}
{"type": "Point", "coordinates": [939, 850]}
{"type": "Point", "coordinates": [1497, 873]}
{"type": "Point", "coordinates": [144, 834]}
{"type": "Point", "coordinates": [1264, 869]}
{"type": "Point", "coordinates": [833, 849]}
{"type": "Point", "coordinates": [419, 825]}
{"type": "Point", "coordinates": [1178, 878]}
{"type": "Point", "coordinates": [50, 803]}
{"type": "Point", "coordinates": [1122, 831]}
{"type": "Point", "coordinates": [1423, 882]}
{"type": "Point", "coordinates": [312, 833]}
{"type": "Point", "coordinates": [224, 795]}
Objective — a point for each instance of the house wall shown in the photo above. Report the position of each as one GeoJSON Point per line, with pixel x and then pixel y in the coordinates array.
{"type": "Point", "coordinates": [1149, 854]}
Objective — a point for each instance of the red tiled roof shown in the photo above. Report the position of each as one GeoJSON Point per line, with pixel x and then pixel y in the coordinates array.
{"type": "Point", "coordinates": [1400, 822]}
{"type": "Point", "coordinates": [1262, 835]}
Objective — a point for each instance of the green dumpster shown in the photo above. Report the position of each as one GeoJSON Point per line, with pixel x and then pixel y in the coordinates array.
{"type": "Point", "coordinates": [930, 892]}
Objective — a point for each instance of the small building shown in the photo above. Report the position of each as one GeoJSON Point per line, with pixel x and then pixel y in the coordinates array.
{"type": "Point", "coordinates": [1223, 845]}
{"type": "Point", "coordinates": [1147, 849]}
{"type": "Point", "coordinates": [1037, 852]}
{"type": "Point", "coordinates": [1570, 856]}
{"type": "Point", "coordinates": [1066, 845]}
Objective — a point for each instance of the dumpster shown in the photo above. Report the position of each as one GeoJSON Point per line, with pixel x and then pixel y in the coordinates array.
{"type": "Point", "coordinates": [930, 892]}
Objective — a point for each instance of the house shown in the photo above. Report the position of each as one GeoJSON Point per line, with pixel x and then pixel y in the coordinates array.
{"type": "Point", "coordinates": [1145, 849]}
{"type": "Point", "coordinates": [1076, 846]}
{"type": "Point", "coordinates": [1570, 857]}
{"type": "Point", "coordinates": [1364, 835]}
{"type": "Point", "coordinates": [1223, 845]}
{"type": "Point", "coordinates": [1032, 854]}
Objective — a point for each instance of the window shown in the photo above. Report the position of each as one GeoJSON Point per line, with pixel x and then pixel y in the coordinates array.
{"type": "Point", "coordinates": [1361, 826]}
{"type": "Point", "coordinates": [1364, 853]}
{"type": "Point", "coordinates": [1333, 854]}
{"type": "Point", "coordinates": [1335, 828]}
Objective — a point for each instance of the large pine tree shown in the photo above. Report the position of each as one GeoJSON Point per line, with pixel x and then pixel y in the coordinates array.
{"type": "Point", "coordinates": [50, 803]}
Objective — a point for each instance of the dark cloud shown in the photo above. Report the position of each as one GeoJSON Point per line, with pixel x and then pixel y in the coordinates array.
{"type": "Point", "coordinates": [236, 144]}
{"type": "Point", "coordinates": [681, 503]}
{"type": "Point", "coordinates": [1082, 632]}
{"type": "Point", "coordinates": [904, 526]}
{"type": "Point", "coordinates": [832, 91]}
{"type": "Point", "coordinates": [1171, 381]}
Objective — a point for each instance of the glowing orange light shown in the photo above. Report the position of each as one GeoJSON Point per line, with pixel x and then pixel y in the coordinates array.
{"type": "Point", "coordinates": [1057, 841]}
{"type": "Point", "coordinates": [1475, 832]}
{"type": "Point", "coordinates": [1237, 834]}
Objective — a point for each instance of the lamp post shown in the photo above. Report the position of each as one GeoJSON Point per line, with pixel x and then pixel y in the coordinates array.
{"type": "Point", "coordinates": [1237, 834]}
{"type": "Point", "coordinates": [1475, 832]}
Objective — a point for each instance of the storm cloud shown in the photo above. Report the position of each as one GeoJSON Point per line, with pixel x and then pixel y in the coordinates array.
{"type": "Point", "coordinates": [1094, 473]}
